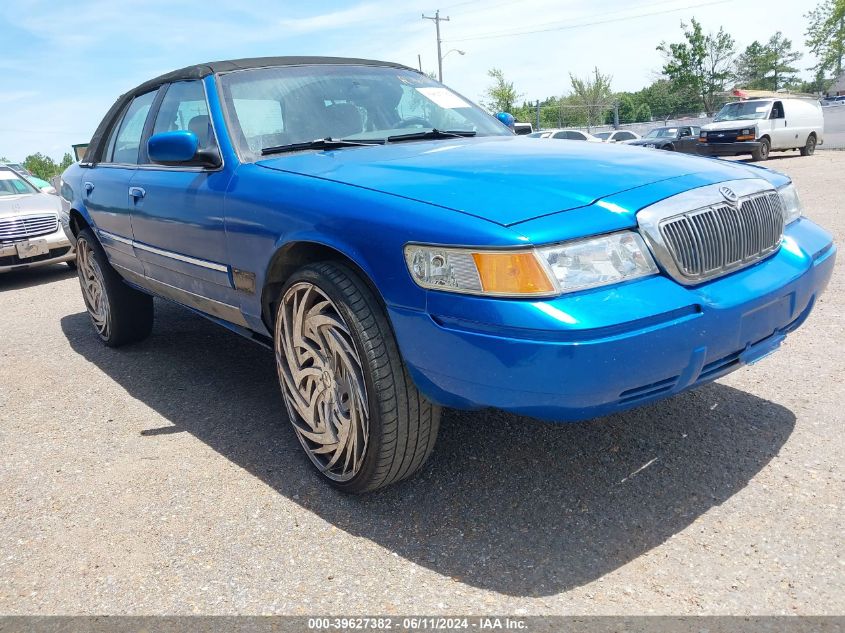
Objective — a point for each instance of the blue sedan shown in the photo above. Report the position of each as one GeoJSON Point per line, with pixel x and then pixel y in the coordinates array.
{"type": "Point", "coordinates": [401, 250]}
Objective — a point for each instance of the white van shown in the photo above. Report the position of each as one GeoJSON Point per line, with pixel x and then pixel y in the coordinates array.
{"type": "Point", "coordinates": [760, 126]}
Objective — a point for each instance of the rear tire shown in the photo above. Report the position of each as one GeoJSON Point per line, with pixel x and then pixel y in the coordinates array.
{"type": "Point", "coordinates": [120, 314]}
{"type": "Point", "coordinates": [810, 148]}
{"type": "Point", "coordinates": [762, 152]}
{"type": "Point", "coordinates": [354, 408]}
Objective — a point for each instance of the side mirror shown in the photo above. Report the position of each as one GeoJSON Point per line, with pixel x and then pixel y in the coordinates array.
{"type": "Point", "coordinates": [173, 147]}
{"type": "Point", "coordinates": [178, 147]}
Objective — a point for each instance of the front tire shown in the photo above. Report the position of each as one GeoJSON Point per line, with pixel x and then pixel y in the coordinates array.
{"type": "Point", "coordinates": [762, 152]}
{"type": "Point", "coordinates": [810, 148]}
{"type": "Point", "coordinates": [120, 314]}
{"type": "Point", "coordinates": [354, 408]}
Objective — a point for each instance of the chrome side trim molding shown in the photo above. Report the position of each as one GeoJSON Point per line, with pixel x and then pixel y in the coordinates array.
{"type": "Point", "coordinates": [205, 305]}
{"type": "Point", "coordinates": [113, 237]}
{"type": "Point", "coordinates": [169, 254]}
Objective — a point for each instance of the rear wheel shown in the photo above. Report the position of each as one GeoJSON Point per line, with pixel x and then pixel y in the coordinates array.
{"type": "Point", "coordinates": [119, 314]}
{"type": "Point", "coordinates": [762, 152]}
{"type": "Point", "coordinates": [353, 406]}
{"type": "Point", "coordinates": [810, 148]}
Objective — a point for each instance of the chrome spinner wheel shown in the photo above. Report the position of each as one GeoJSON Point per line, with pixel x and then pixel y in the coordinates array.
{"type": "Point", "coordinates": [93, 287]}
{"type": "Point", "coordinates": [323, 381]}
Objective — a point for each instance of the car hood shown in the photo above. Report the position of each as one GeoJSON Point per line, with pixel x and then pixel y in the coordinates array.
{"type": "Point", "coordinates": [28, 203]}
{"type": "Point", "coordinates": [729, 125]}
{"type": "Point", "coordinates": [503, 179]}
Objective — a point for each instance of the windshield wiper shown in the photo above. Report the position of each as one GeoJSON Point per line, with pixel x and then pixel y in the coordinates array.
{"type": "Point", "coordinates": [320, 143]}
{"type": "Point", "coordinates": [434, 133]}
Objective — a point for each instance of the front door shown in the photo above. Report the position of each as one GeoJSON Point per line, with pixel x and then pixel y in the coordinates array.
{"type": "Point", "coordinates": [177, 214]}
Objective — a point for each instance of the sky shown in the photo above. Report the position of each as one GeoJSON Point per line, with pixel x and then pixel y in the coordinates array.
{"type": "Point", "coordinates": [63, 63]}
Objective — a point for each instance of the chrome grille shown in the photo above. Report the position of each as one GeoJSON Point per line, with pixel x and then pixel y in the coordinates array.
{"type": "Point", "coordinates": [23, 227]}
{"type": "Point", "coordinates": [714, 240]}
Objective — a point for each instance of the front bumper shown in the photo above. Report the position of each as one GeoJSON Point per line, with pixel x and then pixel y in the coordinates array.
{"type": "Point", "coordinates": [728, 149]}
{"type": "Point", "coordinates": [592, 353]}
{"type": "Point", "coordinates": [59, 250]}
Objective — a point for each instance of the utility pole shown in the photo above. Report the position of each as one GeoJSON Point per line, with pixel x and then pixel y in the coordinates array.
{"type": "Point", "coordinates": [538, 116]}
{"type": "Point", "coordinates": [437, 20]}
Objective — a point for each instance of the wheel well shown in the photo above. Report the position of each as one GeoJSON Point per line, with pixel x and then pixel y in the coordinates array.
{"type": "Point", "coordinates": [77, 222]}
{"type": "Point", "coordinates": [766, 136]}
{"type": "Point", "coordinates": [811, 135]}
{"type": "Point", "coordinates": [291, 258]}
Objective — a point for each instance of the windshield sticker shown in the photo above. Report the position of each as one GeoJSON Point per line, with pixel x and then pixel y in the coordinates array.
{"type": "Point", "coordinates": [443, 97]}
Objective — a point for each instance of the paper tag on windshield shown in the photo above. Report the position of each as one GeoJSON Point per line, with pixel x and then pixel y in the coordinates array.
{"type": "Point", "coordinates": [443, 97]}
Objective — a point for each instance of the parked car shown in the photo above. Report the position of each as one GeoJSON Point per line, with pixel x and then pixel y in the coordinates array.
{"type": "Point", "coordinates": [401, 250]}
{"type": "Point", "coordinates": [834, 101]}
{"type": "Point", "coordinates": [760, 126]}
{"type": "Point", "coordinates": [18, 168]}
{"type": "Point", "coordinates": [30, 234]}
{"type": "Point", "coordinates": [617, 136]}
{"type": "Point", "coordinates": [569, 135]}
{"type": "Point", "coordinates": [523, 129]}
{"type": "Point", "coordinates": [676, 138]}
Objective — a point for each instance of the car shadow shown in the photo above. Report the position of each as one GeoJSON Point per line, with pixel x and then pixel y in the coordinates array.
{"type": "Point", "coordinates": [30, 277]}
{"type": "Point", "coordinates": [506, 503]}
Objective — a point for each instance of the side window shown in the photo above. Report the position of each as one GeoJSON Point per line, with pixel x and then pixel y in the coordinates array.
{"type": "Point", "coordinates": [777, 110]}
{"type": "Point", "coordinates": [127, 141]}
{"type": "Point", "coordinates": [561, 135]}
{"type": "Point", "coordinates": [685, 131]}
{"type": "Point", "coordinates": [184, 108]}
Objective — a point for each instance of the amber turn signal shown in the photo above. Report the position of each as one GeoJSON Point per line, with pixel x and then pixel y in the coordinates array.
{"type": "Point", "coordinates": [515, 273]}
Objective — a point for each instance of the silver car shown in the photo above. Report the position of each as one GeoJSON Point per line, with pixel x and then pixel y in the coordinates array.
{"type": "Point", "coordinates": [30, 233]}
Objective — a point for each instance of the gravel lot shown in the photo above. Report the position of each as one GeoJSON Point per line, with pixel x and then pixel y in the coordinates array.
{"type": "Point", "coordinates": [162, 478]}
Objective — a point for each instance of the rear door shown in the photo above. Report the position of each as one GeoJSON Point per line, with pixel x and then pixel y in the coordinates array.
{"type": "Point", "coordinates": [177, 213]}
{"type": "Point", "coordinates": [106, 183]}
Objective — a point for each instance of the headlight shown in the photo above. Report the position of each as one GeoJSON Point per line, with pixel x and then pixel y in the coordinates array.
{"type": "Point", "coordinates": [791, 204]}
{"type": "Point", "coordinates": [598, 261]}
{"type": "Point", "coordinates": [546, 271]}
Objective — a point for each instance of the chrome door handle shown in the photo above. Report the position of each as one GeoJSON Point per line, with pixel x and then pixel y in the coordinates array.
{"type": "Point", "coordinates": [89, 187]}
{"type": "Point", "coordinates": [137, 192]}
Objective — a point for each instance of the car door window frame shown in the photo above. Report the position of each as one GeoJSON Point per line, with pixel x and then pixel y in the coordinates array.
{"type": "Point", "coordinates": [106, 160]}
{"type": "Point", "coordinates": [150, 124]}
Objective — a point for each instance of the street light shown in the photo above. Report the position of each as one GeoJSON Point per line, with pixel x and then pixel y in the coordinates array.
{"type": "Point", "coordinates": [454, 50]}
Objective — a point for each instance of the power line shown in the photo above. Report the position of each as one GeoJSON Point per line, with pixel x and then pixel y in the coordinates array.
{"type": "Point", "coordinates": [496, 35]}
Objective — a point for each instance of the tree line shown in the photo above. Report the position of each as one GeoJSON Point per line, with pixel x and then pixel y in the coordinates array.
{"type": "Point", "coordinates": [43, 166]}
{"type": "Point", "coordinates": [696, 74]}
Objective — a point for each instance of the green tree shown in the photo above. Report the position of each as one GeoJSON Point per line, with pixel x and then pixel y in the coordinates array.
{"type": "Point", "coordinates": [753, 65]}
{"type": "Point", "coordinates": [781, 57]}
{"type": "Point", "coordinates": [826, 35]}
{"type": "Point", "coordinates": [768, 66]}
{"type": "Point", "coordinates": [819, 84]}
{"type": "Point", "coordinates": [40, 165]}
{"type": "Point", "coordinates": [627, 108]}
{"type": "Point", "coordinates": [67, 161]}
{"type": "Point", "coordinates": [593, 95]}
{"type": "Point", "coordinates": [501, 96]}
{"type": "Point", "coordinates": [701, 64]}
{"type": "Point", "coordinates": [643, 114]}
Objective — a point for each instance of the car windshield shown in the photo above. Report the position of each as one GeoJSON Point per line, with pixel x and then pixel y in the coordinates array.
{"type": "Point", "coordinates": [603, 135]}
{"type": "Point", "coordinates": [13, 185]}
{"type": "Point", "coordinates": [744, 110]}
{"type": "Point", "coordinates": [278, 107]}
{"type": "Point", "coordinates": [662, 132]}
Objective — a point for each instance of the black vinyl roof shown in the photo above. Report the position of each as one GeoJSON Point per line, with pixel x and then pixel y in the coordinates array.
{"type": "Point", "coordinates": [198, 71]}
